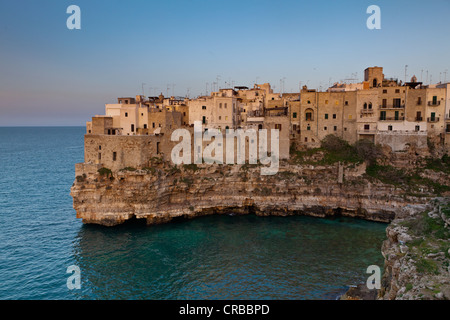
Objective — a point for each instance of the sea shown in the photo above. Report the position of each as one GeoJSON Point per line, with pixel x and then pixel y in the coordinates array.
{"type": "Point", "coordinates": [212, 257]}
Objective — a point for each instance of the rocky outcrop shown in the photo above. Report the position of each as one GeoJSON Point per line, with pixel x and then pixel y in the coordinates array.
{"type": "Point", "coordinates": [417, 253]}
{"type": "Point", "coordinates": [164, 192]}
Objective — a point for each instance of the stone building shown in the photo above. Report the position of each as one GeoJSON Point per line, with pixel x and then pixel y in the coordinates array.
{"type": "Point", "coordinates": [380, 109]}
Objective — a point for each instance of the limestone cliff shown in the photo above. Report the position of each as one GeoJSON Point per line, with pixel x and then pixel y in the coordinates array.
{"type": "Point", "coordinates": [417, 254]}
{"type": "Point", "coordinates": [163, 192]}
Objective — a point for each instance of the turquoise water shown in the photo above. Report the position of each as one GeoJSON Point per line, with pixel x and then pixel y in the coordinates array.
{"type": "Point", "coordinates": [215, 257]}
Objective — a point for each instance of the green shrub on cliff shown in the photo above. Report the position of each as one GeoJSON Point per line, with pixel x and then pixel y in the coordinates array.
{"type": "Point", "coordinates": [105, 172]}
{"type": "Point", "coordinates": [427, 266]}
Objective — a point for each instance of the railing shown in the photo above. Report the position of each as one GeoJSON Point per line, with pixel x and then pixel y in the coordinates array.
{"type": "Point", "coordinates": [434, 103]}
{"type": "Point", "coordinates": [419, 118]}
{"type": "Point", "coordinates": [435, 119]}
{"type": "Point", "coordinates": [392, 107]}
{"type": "Point", "coordinates": [367, 131]}
{"type": "Point", "coordinates": [392, 118]}
{"type": "Point", "coordinates": [367, 111]}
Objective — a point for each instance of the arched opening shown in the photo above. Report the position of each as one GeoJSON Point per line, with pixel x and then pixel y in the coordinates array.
{"type": "Point", "coordinates": [375, 83]}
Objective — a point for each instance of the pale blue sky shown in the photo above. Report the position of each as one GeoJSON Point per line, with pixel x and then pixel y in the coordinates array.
{"type": "Point", "coordinates": [54, 76]}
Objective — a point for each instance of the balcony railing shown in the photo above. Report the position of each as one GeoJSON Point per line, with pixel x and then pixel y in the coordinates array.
{"type": "Point", "coordinates": [435, 119]}
{"type": "Point", "coordinates": [392, 107]}
{"type": "Point", "coordinates": [434, 103]}
{"type": "Point", "coordinates": [367, 131]}
{"type": "Point", "coordinates": [419, 119]}
{"type": "Point", "coordinates": [392, 118]}
{"type": "Point", "coordinates": [367, 111]}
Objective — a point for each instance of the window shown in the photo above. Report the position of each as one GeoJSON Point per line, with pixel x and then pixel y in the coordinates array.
{"type": "Point", "coordinates": [397, 90]}
{"type": "Point", "coordinates": [114, 156]}
{"type": "Point", "coordinates": [153, 125]}
{"type": "Point", "coordinates": [335, 128]}
{"type": "Point", "coordinates": [384, 91]}
{"type": "Point", "coordinates": [203, 107]}
{"type": "Point", "coordinates": [294, 115]}
{"type": "Point", "coordinates": [326, 115]}
{"type": "Point", "coordinates": [220, 105]}
{"type": "Point", "coordinates": [383, 115]}
{"type": "Point", "coordinates": [397, 103]}
{"type": "Point", "coordinates": [309, 116]}
{"type": "Point", "coordinates": [309, 102]}
{"type": "Point", "coordinates": [390, 128]}
{"type": "Point", "coordinates": [346, 103]}
{"type": "Point", "coordinates": [220, 117]}
{"type": "Point", "coordinates": [306, 139]}
{"type": "Point", "coordinates": [417, 128]}
{"type": "Point", "coordinates": [370, 105]}
{"type": "Point", "coordinates": [184, 114]}
{"type": "Point", "coordinates": [126, 114]}
{"type": "Point", "coordinates": [365, 106]}
{"type": "Point", "coordinates": [334, 116]}
{"type": "Point", "coordinates": [99, 156]}
{"type": "Point", "coordinates": [375, 83]}
{"type": "Point", "coordinates": [434, 99]}
{"type": "Point", "coordinates": [309, 128]}
{"type": "Point", "coordinates": [204, 120]}
{"type": "Point", "coordinates": [132, 128]}
{"type": "Point", "coordinates": [99, 147]}
{"type": "Point", "coordinates": [145, 126]}
{"type": "Point", "coordinates": [419, 116]}
{"type": "Point", "coordinates": [278, 126]}
{"type": "Point", "coordinates": [225, 105]}
{"type": "Point", "coordinates": [367, 127]}
{"type": "Point", "coordinates": [325, 128]}
{"type": "Point", "coordinates": [419, 101]}
{"type": "Point", "coordinates": [142, 114]}
{"type": "Point", "coordinates": [384, 103]}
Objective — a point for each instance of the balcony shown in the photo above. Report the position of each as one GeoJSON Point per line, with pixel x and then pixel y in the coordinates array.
{"type": "Point", "coordinates": [392, 118]}
{"type": "Point", "coordinates": [367, 111]}
{"type": "Point", "coordinates": [434, 103]}
{"type": "Point", "coordinates": [392, 107]}
{"type": "Point", "coordinates": [435, 119]}
{"type": "Point", "coordinates": [419, 119]}
{"type": "Point", "coordinates": [367, 131]}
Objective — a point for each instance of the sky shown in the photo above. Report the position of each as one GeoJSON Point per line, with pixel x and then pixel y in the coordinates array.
{"type": "Point", "coordinates": [53, 76]}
